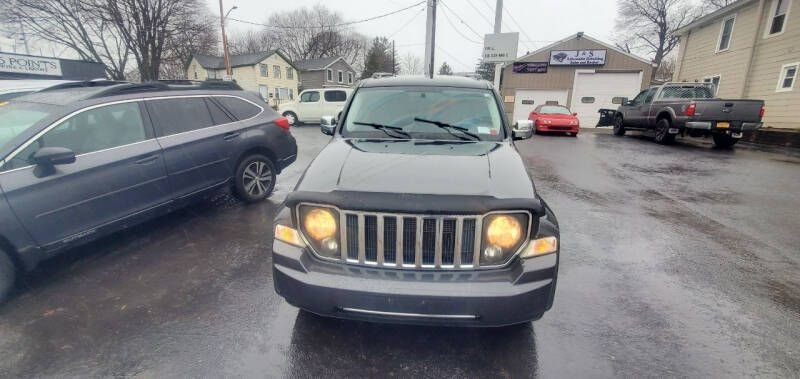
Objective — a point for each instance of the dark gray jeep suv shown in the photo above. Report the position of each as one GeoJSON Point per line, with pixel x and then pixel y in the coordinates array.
{"type": "Point", "coordinates": [419, 210]}
{"type": "Point", "coordinates": [85, 159]}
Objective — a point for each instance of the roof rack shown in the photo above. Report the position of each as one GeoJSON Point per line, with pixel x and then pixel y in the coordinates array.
{"type": "Point", "coordinates": [166, 85]}
{"type": "Point", "coordinates": [83, 84]}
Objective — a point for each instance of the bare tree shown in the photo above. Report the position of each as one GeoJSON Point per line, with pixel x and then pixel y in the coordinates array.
{"type": "Point", "coordinates": [649, 26]}
{"type": "Point", "coordinates": [308, 33]}
{"type": "Point", "coordinates": [198, 35]}
{"type": "Point", "coordinates": [666, 70]}
{"type": "Point", "coordinates": [717, 4]}
{"type": "Point", "coordinates": [411, 64]}
{"type": "Point", "coordinates": [77, 25]}
{"type": "Point", "coordinates": [249, 42]}
{"type": "Point", "coordinates": [146, 26]}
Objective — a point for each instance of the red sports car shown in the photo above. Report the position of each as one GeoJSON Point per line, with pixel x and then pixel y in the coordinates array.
{"type": "Point", "coordinates": [554, 118]}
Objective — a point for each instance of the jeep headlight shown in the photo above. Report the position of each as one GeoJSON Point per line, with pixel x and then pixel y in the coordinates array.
{"type": "Point", "coordinates": [320, 225]}
{"type": "Point", "coordinates": [503, 234]}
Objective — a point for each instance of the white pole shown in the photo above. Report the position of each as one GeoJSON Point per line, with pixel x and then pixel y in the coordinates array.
{"type": "Point", "coordinates": [430, 38]}
{"type": "Point", "coordinates": [498, 21]}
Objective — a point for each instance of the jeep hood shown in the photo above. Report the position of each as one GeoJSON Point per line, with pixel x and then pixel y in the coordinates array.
{"type": "Point", "coordinates": [492, 169]}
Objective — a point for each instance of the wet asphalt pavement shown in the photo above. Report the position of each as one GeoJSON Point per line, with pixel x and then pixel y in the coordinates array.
{"type": "Point", "coordinates": [677, 261]}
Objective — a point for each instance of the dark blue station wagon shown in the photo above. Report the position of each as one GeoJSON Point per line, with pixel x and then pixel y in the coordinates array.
{"type": "Point", "coordinates": [87, 159]}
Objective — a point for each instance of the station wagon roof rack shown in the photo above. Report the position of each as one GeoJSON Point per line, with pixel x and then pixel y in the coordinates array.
{"type": "Point", "coordinates": [166, 85]}
{"type": "Point", "coordinates": [83, 84]}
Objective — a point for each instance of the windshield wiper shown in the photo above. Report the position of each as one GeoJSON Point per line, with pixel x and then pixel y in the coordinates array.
{"type": "Point", "coordinates": [385, 129]}
{"type": "Point", "coordinates": [447, 127]}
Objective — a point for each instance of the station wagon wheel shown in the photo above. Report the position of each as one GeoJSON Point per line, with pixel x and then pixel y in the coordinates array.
{"type": "Point", "coordinates": [291, 117]}
{"type": "Point", "coordinates": [255, 178]}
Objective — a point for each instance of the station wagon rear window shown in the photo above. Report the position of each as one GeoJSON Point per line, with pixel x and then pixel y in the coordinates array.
{"type": "Point", "coordinates": [240, 109]}
{"type": "Point", "coordinates": [476, 110]}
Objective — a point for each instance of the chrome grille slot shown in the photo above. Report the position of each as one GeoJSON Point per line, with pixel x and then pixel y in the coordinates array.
{"type": "Point", "coordinates": [410, 241]}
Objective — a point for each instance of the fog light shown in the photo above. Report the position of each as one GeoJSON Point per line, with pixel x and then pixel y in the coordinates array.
{"type": "Point", "coordinates": [492, 252]}
{"type": "Point", "coordinates": [540, 246]}
{"type": "Point", "coordinates": [288, 235]}
{"type": "Point", "coordinates": [330, 244]}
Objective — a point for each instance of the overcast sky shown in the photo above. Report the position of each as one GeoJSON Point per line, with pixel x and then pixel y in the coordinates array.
{"type": "Point", "coordinates": [542, 22]}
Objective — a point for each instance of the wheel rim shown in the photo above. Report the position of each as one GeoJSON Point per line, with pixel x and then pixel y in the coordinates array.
{"type": "Point", "coordinates": [617, 124]}
{"type": "Point", "coordinates": [290, 117]}
{"type": "Point", "coordinates": [661, 132]}
{"type": "Point", "coordinates": [257, 178]}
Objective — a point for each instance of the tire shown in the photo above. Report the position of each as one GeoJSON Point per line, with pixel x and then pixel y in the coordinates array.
{"type": "Point", "coordinates": [291, 117]}
{"type": "Point", "coordinates": [255, 178]}
{"type": "Point", "coordinates": [8, 275]}
{"type": "Point", "coordinates": [723, 141]}
{"type": "Point", "coordinates": [662, 132]}
{"type": "Point", "coordinates": [619, 126]}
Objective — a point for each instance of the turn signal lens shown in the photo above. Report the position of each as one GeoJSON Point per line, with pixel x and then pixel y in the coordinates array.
{"type": "Point", "coordinates": [540, 246]}
{"type": "Point", "coordinates": [504, 231]}
{"type": "Point", "coordinates": [288, 235]}
{"type": "Point", "coordinates": [320, 224]}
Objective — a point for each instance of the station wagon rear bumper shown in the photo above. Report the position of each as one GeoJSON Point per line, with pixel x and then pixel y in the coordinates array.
{"type": "Point", "coordinates": [520, 292]}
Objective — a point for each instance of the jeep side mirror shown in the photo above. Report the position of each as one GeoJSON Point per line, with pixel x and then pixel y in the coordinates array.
{"type": "Point", "coordinates": [51, 156]}
{"type": "Point", "coordinates": [523, 129]}
{"type": "Point", "coordinates": [327, 125]}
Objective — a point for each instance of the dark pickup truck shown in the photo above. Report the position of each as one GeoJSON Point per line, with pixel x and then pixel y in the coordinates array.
{"type": "Point", "coordinates": [686, 109]}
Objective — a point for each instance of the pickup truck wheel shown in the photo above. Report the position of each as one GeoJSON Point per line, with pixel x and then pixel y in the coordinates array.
{"type": "Point", "coordinates": [619, 126]}
{"type": "Point", "coordinates": [8, 275]}
{"type": "Point", "coordinates": [724, 141]}
{"type": "Point", "coordinates": [291, 117]}
{"type": "Point", "coordinates": [255, 178]}
{"type": "Point", "coordinates": [662, 132]}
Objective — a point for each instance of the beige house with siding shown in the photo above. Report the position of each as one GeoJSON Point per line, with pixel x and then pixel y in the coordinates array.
{"type": "Point", "coordinates": [749, 49]}
{"type": "Point", "coordinates": [269, 73]}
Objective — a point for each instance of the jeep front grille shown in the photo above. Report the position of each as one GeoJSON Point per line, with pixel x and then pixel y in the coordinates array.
{"type": "Point", "coordinates": [409, 241]}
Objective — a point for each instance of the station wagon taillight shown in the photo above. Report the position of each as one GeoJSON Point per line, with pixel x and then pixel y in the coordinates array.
{"type": "Point", "coordinates": [762, 111]}
{"type": "Point", "coordinates": [690, 109]}
{"type": "Point", "coordinates": [282, 122]}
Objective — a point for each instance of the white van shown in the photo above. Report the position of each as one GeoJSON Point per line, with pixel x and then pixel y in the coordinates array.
{"type": "Point", "coordinates": [315, 103]}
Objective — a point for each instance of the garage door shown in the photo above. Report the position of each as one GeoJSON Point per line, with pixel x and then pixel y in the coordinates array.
{"type": "Point", "coordinates": [593, 91]}
{"type": "Point", "coordinates": [527, 99]}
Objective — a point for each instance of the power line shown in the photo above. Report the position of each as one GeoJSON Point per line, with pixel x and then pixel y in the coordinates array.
{"type": "Point", "coordinates": [459, 18]}
{"type": "Point", "coordinates": [458, 31]}
{"type": "Point", "coordinates": [453, 57]}
{"type": "Point", "coordinates": [328, 26]}
{"type": "Point", "coordinates": [407, 23]}
{"type": "Point", "coordinates": [491, 8]}
{"type": "Point", "coordinates": [509, 13]}
{"type": "Point", "coordinates": [480, 13]}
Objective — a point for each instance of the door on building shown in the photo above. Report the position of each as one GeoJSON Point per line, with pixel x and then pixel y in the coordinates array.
{"type": "Point", "coordinates": [264, 91]}
{"type": "Point", "coordinates": [525, 100]}
{"type": "Point", "coordinates": [593, 91]}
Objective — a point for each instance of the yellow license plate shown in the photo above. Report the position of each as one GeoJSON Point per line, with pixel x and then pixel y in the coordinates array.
{"type": "Point", "coordinates": [723, 125]}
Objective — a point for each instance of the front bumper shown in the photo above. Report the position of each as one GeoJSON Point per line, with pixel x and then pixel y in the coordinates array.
{"type": "Point", "coordinates": [557, 128]}
{"type": "Point", "coordinates": [517, 293]}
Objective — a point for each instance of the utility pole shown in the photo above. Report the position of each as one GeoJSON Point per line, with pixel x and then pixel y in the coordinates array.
{"type": "Point", "coordinates": [24, 38]}
{"type": "Point", "coordinates": [498, 21]}
{"type": "Point", "coordinates": [430, 38]}
{"type": "Point", "coordinates": [222, 17]}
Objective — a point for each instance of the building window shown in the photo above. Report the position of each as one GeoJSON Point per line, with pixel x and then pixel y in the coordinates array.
{"type": "Point", "coordinates": [341, 77]}
{"type": "Point", "coordinates": [725, 34]}
{"type": "Point", "coordinates": [587, 100]}
{"type": "Point", "coordinates": [714, 79]}
{"type": "Point", "coordinates": [778, 14]}
{"type": "Point", "coordinates": [616, 100]}
{"type": "Point", "coordinates": [289, 73]}
{"type": "Point", "coordinates": [349, 78]}
{"type": "Point", "coordinates": [330, 75]}
{"type": "Point", "coordinates": [276, 72]}
{"type": "Point", "coordinates": [263, 69]}
{"type": "Point", "coordinates": [291, 93]}
{"type": "Point", "coordinates": [551, 102]}
{"type": "Point", "coordinates": [211, 74]}
{"type": "Point", "coordinates": [787, 77]}
{"type": "Point", "coordinates": [194, 67]}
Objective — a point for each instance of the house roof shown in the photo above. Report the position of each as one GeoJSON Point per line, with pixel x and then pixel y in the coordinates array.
{"type": "Point", "coordinates": [713, 16]}
{"type": "Point", "coordinates": [320, 63]}
{"type": "Point", "coordinates": [597, 41]}
{"type": "Point", "coordinates": [218, 63]}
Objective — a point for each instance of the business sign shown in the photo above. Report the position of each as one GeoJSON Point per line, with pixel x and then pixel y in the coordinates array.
{"type": "Point", "coordinates": [501, 47]}
{"type": "Point", "coordinates": [577, 57]}
{"type": "Point", "coordinates": [530, 67]}
{"type": "Point", "coordinates": [24, 64]}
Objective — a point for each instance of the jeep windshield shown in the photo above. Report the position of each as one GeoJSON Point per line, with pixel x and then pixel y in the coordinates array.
{"type": "Point", "coordinates": [413, 111]}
